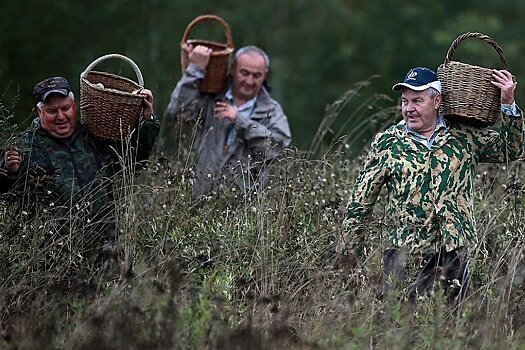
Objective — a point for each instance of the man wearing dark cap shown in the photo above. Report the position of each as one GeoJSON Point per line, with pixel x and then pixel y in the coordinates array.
{"type": "Point", "coordinates": [427, 164]}
{"type": "Point", "coordinates": [76, 168]}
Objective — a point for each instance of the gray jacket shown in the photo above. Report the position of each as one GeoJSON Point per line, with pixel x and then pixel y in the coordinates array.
{"type": "Point", "coordinates": [261, 138]}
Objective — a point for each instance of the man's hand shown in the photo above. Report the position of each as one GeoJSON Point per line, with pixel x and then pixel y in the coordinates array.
{"type": "Point", "coordinates": [148, 104]}
{"type": "Point", "coordinates": [502, 79]}
{"type": "Point", "coordinates": [224, 110]}
{"type": "Point", "coordinates": [199, 55]}
{"type": "Point", "coordinates": [12, 160]}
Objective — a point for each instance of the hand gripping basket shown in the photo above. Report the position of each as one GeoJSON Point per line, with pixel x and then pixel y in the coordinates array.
{"type": "Point", "coordinates": [218, 65]}
{"type": "Point", "coordinates": [468, 95]}
{"type": "Point", "coordinates": [110, 105]}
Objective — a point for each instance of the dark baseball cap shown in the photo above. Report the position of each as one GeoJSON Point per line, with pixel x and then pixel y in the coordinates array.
{"type": "Point", "coordinates": [50, 86]}
{"type": "Point", "coordinates": [419, 79]}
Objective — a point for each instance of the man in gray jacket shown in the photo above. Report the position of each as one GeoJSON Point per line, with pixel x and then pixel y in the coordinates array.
{"type": "Point", "coordinates": [240, 130]}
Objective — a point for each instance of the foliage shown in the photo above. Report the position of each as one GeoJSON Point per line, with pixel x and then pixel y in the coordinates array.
{"type": "Point", "coordinates": [8, 130]}
{"type": "Point", "coordinates": [248, 270]}
{"type": "Point", "coordinates": [317, 49]}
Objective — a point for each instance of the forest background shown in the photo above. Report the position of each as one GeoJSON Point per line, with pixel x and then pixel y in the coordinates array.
{"type": "Point", "coordinates": [318, 49]}
{"type": "Point", "coordinates": [257, 270]}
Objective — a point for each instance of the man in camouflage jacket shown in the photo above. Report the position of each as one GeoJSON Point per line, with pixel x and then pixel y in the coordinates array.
{"type": "Point", "coordinates": [75, 168]}
{"type": "Point", "coordinates": [428, 165]}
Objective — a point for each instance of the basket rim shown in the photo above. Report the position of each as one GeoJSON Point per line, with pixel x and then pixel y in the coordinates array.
{"type": "Point", "coordinates": [463, 65]}
{"type": "Point", "coordinates": [226, 51]}
{"type": "Point", "coordinates": [133, 65]}
{"type": "Point", "coordinates": [84, 80]}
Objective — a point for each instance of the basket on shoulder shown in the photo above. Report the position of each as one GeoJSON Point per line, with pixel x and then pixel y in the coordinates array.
{"type": "Point", "coordinates": [219, 63]}
{"type": "Point", "coordinates": [468, 95]}
{"type": "Point", "coordinates": [110, 105]}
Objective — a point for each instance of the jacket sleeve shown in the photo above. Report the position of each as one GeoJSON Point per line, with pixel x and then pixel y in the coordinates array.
{"type": "Point", "coordinates": [27, 171]}
{"type": "Point", "coordinates": [364, 195]}
{"type": "Point", "coordinates": [505, 144]}
{"type": "Point", "coordinates": [266, 141]}
{"type": "Point", "coordinates": [186, 101]}
{"type": "Point", "coordinates": [6, 180]}
{"type": "Point", "coordinates": [146, 138]}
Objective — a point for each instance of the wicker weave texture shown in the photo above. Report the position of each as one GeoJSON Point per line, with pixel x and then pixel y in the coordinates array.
{"type": "Point", "coordinates": [110, 105]}
{"type": "Point", "coordinates": [468, 94]}
{"type": "Point", "coordinates": [219, 63]}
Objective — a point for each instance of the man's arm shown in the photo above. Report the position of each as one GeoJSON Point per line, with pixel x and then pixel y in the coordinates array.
{"type": "Point", "coordinates": [148, 130]}
{"type": "Point", "coordinates": [15, 166]}
{"type": "Point", "coordinates": [504, 145]}
{"type": "Point", "coordinates": [6, 179]}
{"type": "Point", "coordinates": [267, 141]}
{"type": "Point", "coordinates": [147, 136]}
{"type": "Point", "coordinates": [366, 190]}
{"type": "Point", "coordinates": [507, 144]}
{"type": "Point", "coordinates": [186, 101]}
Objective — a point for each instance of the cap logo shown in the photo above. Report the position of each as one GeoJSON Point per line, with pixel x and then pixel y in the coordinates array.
{"type": "Point", "coordinates": [412, 75]}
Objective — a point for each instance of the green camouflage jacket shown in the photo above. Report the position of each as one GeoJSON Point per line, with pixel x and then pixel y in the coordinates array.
{"type": "Point", "coordinates": [77, 171]}
{"type": "Point", "coordinates": [430, 191]}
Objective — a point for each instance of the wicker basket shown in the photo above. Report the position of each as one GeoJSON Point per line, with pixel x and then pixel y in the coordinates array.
{"type": "Point", "coordinates": [109, 104]}
{"type": "Point", "coordinates": [468, 95]}
{"type": "Point", "coordinates": [219, 63]}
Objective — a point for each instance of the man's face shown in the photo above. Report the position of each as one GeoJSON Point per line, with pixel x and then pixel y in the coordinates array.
{"type": "Point", "coordinates": [58, 115]}
{"type": "Point", "coordinates": [249, 72]}
{"type": "Point", "coordinates": [419, 110]}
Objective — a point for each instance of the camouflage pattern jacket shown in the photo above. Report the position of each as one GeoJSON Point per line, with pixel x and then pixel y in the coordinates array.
{"type": "Point", "coordinates": [260, 138]}
{"type": "Point", "coordinates": [430, 191]}
{"type": "Point", "coordinates": [76, 171]}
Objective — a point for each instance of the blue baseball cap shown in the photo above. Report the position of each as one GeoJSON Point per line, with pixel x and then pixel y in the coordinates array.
{"type": "Point", "coordinates": [419, 79]}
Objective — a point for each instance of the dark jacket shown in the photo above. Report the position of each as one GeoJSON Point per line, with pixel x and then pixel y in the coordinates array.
{"type": "Point", "coordinates": [75, 172]}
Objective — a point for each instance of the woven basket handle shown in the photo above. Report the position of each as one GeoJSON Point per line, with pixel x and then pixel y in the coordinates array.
{"type": "Point", "coordinates": [227, 31]}
{"type": "Point", "coordinates": [140, 79]}
{"type": "Point", "coordinates": [480, 36]}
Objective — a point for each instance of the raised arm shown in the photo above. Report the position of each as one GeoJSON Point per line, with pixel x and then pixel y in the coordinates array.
{"type": "Point", "coordinates": [505, 144]}
{"type": "Point", "coordinates": [186, 101]}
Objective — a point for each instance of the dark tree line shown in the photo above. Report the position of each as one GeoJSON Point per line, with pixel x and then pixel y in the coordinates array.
{"type": "Point", "coordinates": [318, 49]}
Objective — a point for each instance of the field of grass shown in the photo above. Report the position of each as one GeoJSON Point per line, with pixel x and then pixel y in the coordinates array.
{"type": "Point", "coordinates": [250, 270]}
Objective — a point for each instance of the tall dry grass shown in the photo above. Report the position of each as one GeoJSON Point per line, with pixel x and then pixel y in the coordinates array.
{"type": "Point", "coordinates": [251, 270]}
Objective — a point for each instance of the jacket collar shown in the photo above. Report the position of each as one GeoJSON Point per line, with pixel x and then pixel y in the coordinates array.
{"type": "Point", "coordinates": [443, 127]}
{"type": "Point", "coordinates": [263, 101]}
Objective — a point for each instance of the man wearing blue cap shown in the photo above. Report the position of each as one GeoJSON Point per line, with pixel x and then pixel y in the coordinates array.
{"type": "Point", "coordinates": [428, 164]}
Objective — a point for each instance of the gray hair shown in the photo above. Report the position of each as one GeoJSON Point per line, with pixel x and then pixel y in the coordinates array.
{"type": "Point", "coordinates": [71, 94]}
{"type": "Point", "coordinates": [253, 49]}
{"type": "Point", "coordinates": [432, 92]}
